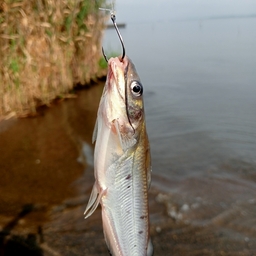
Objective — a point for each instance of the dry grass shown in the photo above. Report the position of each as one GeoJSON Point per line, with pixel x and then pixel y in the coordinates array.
{"type": "Point", "coordinates": [46, 47]}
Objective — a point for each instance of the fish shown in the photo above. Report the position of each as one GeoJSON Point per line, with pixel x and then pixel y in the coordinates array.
{"type": "Point", "coordinates": [122, 163]}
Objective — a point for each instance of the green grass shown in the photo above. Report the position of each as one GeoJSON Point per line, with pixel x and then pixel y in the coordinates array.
{"type": "Point", "coordinates": [68, 22]}
{"type": "Point", "coordinates": [14, 66]}
{"type": "Point", "coordinates": [82, 14]}
{"type": "Point", "coordinates": [102, 63]}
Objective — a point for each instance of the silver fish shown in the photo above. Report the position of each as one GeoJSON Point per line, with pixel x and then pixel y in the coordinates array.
{"type": "Point", "coordinates": [122, 163]}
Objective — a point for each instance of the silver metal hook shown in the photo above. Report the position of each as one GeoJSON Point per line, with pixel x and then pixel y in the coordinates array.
{"type": "Point", "coordinates": [113, 18]}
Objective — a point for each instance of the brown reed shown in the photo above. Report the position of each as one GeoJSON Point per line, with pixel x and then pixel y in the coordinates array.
{"type": "Point", "coordinates": [46, 48]}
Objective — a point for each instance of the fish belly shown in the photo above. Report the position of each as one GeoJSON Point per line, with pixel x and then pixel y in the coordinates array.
{"type": "Point", "coordinates": [125, 209]}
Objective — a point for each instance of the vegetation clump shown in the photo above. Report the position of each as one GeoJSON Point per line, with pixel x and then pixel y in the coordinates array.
{"type": "Point", "coordinates": [46, 48]}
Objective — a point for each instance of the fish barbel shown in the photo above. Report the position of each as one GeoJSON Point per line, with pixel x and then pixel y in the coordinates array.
{"type": "Point", "coordinates": [122, 163]}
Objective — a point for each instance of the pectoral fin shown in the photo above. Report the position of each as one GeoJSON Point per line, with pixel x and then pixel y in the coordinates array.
{"type": "Point", "coordinates": [126, 141]}
{"type": "Point", "coordinates": [93, 201]}
{"type": "Point", "coordinates": [95, 131]}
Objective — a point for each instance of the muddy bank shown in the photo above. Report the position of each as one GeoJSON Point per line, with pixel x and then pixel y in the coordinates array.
{"type": "Point", "coordinates": [46, 165]}
{"type": "Point", "coordinates": [42, 165]}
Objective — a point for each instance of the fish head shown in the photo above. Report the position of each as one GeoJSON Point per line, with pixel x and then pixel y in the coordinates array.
{"type": "Point", "coordinates": [124, 91]}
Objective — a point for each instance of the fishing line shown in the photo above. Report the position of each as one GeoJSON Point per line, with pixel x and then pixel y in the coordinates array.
{"type": "Point", "coordinates": [112, 11]}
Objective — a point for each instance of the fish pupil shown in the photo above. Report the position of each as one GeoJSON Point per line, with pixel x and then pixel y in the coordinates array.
{"type": "Point", "coordinates": [137, 88]}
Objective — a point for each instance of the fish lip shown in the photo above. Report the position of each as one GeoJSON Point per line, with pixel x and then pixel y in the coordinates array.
{"type": "Point", "coordinates": [122, 64]}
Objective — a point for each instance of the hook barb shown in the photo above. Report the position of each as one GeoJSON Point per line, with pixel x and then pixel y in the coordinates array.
{"type": "Point", "coordinates": [104, 55]}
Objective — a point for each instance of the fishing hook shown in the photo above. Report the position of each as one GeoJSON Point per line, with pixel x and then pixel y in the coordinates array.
{"type": "Point", "coordinates": [113, 18]}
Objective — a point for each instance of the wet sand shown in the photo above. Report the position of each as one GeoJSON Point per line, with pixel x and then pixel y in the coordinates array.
{"type": "Point", "coordinates": [46, 179]}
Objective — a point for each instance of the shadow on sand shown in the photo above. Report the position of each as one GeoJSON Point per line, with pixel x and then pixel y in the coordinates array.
{"type": "Point", "coordinates": [28, 245]}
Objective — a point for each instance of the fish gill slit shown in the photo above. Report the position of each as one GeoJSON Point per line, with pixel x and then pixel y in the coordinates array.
{"type": "Point", "coordinates": [126, 98]}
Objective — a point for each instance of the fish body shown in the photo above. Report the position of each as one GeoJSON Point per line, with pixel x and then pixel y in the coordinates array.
{"type": "Point", "coordinates": [122, 163]}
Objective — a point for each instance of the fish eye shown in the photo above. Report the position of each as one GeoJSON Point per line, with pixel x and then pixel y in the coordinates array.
{"type": "Point", "coordinates": [136, 88]}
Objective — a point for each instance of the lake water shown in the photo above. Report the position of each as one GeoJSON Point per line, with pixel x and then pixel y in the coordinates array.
{"type": "Point", "coordinates": [200, 91]}
{"type": "Point", "coordinates": [199, 78]}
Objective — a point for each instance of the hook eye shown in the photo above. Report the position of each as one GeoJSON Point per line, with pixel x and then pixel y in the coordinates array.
{"type": "Point", "coordinates": [113, 18]}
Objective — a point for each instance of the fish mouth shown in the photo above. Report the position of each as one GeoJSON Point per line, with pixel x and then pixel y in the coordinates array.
{"type": "Point", "coordinates": [115, 91]}
{"type": "Point", "coordinates": [117, 73]}
{"type": "Point", "coordinates": [117, 67]}
{"type": "Point", "coordinates": [122, 63]}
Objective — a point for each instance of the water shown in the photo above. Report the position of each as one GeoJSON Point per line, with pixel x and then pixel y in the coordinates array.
{"type": "Point", "coordinates": [200, 99]}
{"type": "Point", "coordinates": [199, 77]}
{"type": "Point", "coordinates": [200, 95]}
